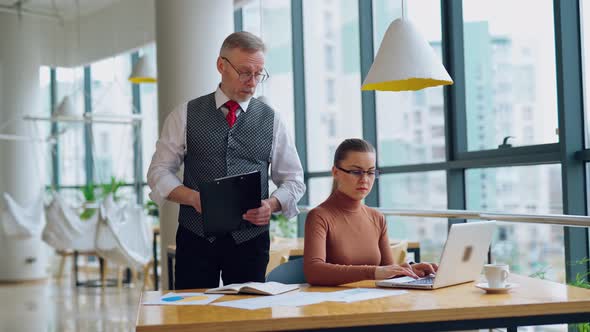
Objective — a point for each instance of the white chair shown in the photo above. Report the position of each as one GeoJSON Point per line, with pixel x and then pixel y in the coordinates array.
{"type": "Point", "coordinates": [65, 230]}
{"type": "Point", "coordinates": [124, 235]}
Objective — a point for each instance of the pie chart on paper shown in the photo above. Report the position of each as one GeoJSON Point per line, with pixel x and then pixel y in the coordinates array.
{"type": "Point", "coordinates": [185, 298]}
{"type": "Point", "coordinates": [194, 298]}
{"type": "Point", "coordinates": [188, 298]}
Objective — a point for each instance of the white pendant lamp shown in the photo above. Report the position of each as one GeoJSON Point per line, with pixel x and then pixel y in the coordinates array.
{"type": "Point", "coordinates": [405, 62]}
{"type": "Point", "coordinates": [143, 71]}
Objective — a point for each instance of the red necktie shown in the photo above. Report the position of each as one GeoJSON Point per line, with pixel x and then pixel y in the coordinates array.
{"type": "Point", "coordinates": [232, 106]}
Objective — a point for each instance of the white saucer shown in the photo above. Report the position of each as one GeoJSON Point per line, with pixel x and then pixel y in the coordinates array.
{"type": "Point", "coordinates": [485, 286]}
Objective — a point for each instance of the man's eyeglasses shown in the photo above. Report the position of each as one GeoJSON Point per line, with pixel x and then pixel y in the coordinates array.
{"type": "Point", "coordinates": [359, 173]}
{"type": "Point", "coordinates": [245, 77]}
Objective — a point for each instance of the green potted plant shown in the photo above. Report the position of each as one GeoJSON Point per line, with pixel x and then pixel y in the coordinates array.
{"type": "Point", "coordinates": [582, 281]}
{"type": "Point", "coordinates": [111, 188]}
{"type": "Point", "coordinates": [280, 226]}
{"type": "Point", "coordinates": [89, 193]}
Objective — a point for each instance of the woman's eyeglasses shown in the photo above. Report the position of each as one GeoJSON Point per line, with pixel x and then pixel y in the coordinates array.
{"type": "Point", "coordinates": [372, 173]}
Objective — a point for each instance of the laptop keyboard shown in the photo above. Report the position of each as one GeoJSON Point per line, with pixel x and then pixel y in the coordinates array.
{"type": "Point", "coordinates": [422, 281]}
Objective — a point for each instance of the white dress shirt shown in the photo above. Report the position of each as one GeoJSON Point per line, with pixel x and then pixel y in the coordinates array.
{"type": "Point", "coordinates": [285, 171]}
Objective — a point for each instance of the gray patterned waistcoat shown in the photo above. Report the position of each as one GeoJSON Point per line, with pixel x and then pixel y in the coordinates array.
{"type": "Point", "coordinates": [214, 150]}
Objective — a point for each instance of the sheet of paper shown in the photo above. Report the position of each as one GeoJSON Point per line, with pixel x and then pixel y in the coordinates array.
{"type": "Point", "coordinates": [288, 299]}
{"type": "Point", "coordinates": [362, 294]}
{"type": "Point", "coordinates": [307, 298]}
{"type": "Point", "coordinates": [184, 299]}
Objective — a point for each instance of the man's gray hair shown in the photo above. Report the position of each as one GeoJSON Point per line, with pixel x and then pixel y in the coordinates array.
{"type": "Point", "coordinates": [242, 40]}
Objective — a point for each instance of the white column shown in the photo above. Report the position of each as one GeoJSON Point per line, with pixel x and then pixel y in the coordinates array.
{"type": "Point", "coordinates": [189, 34]}
{"type": "Point", "coordinates": [21, 163]}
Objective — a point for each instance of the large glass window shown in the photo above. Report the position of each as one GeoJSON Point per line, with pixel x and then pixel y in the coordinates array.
{"type": "Point", "coordinates": [509, 73]}
{"type": "Point", "coordinates": [420, 191]}
{"type": "Point", "coordinates": [272, 23]}
{"type": "Point", "coordinates": [319, 189]}
{"type": "Point", "coordinates": [333, 97]}
{"type": "Point", "coordinates": [410, 126]}
{"type": "Point", "coordinates": [112, 144]}
{"type": "Point", "coordinates": [530, 249]}
{"type": "Point", "coordinates": [70, 83]}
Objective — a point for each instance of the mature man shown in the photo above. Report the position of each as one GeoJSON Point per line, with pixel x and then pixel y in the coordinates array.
{"type": "Point", "coordinates": [224, 133]}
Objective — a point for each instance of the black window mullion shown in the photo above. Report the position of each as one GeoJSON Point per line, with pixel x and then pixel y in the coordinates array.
{"type": "Point", "coordinates": [137, 141]}
{"type": "Point", "coordinates": [454, 101]}
{"type": "Point", "coordinates": [571, 130]}
{"type": "Point", "coordinates": [88, 139]}
{"type": "Point", "coordinates": [55, 178]}
{"type": "Point", "coordinates": [369, 116]}
{"type": "Point", "coordinates": [299, 99]}
{"type": "Point", "coordinates": [239, 19]}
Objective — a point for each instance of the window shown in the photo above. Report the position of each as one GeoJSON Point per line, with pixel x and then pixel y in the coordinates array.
{"type": "Point", "coordinates": [329, 90]}
{"type": "Point", "coordinates": [416, 191]}
{"type": "Point", "coordinates": [111, 94]}
{"type": "Point", "coordinates": [72, 170]}
{"type": "Point", "coordinates": [438, 131]}
{"type": "Point", "coordinates": [523, 189]}
{"type": "Point", "coordinates": [276, 34]}
{"type": "Point", "coordinates": [330, 93]}
{"type": "Point", "coordinates": [329, 120]}
{"type": "Point", "coordinates": [394, 132]}
{"type": "Point", "coordinates": [329, 57]}
{"type": "Point", "coordinates": [319, 189]}
{"type": "Point", "coordinates": [507, 62]}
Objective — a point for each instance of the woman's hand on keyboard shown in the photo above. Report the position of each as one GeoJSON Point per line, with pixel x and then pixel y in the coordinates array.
{"type": "Point", "coordinates": [390, 271]}
{"type": "Point", "coordinates": [422, 269]}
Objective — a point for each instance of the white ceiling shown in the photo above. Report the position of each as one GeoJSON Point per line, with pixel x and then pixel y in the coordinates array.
{"type": "Point", "coordinates": [66, 9]}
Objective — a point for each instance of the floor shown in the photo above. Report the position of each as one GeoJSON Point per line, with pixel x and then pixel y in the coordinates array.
{"type": "Point", "coordinates": [58, 306]}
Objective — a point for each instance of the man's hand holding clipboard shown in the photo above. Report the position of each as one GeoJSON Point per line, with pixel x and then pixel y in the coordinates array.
{"type": "Point", "coordinates": [228, 202]}
{"type": "Point", "coordinates": [261, 216]}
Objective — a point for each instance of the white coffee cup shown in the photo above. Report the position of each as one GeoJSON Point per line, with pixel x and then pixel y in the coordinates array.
{"type": "Point", "coordinates": [496, 274]}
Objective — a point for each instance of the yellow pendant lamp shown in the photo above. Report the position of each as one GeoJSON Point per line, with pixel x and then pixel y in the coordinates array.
{"type": "Point", "coordinates": [143, 71]}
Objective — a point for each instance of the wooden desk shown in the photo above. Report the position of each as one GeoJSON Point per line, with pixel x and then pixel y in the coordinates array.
{"type": "Point", "coordinates": [534, 302]}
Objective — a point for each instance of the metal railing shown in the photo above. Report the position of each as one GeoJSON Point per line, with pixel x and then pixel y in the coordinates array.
{"type": "Point", "coordinates": [551, 219]}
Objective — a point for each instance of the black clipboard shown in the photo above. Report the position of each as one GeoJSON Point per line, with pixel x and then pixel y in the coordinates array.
{"type": "Point", "coordinates": [225, 200]}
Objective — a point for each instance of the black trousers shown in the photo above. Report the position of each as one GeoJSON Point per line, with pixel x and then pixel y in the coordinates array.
{"type": "Point", "coordinates": [199, 262]}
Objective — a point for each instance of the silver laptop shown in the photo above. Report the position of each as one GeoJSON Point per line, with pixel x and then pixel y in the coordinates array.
{"type": "Point", "coordinates": [462, 259]}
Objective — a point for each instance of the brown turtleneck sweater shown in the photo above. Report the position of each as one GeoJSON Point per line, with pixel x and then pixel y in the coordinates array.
{"type": "Point", "coordinates": [345, 241]}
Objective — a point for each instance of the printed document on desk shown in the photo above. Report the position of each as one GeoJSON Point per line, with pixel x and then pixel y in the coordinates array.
{"type": "Point", "coordinates": [225, 200]}
{"type": "Point", "coordinates": [306, 298]}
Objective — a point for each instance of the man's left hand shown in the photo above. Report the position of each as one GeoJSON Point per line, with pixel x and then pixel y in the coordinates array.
{"type": "Point", "coordinates": [259, 216]}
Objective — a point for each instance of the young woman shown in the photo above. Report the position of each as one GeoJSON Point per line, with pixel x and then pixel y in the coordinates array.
{"type": "Point", "coordinates": [345, 240]}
